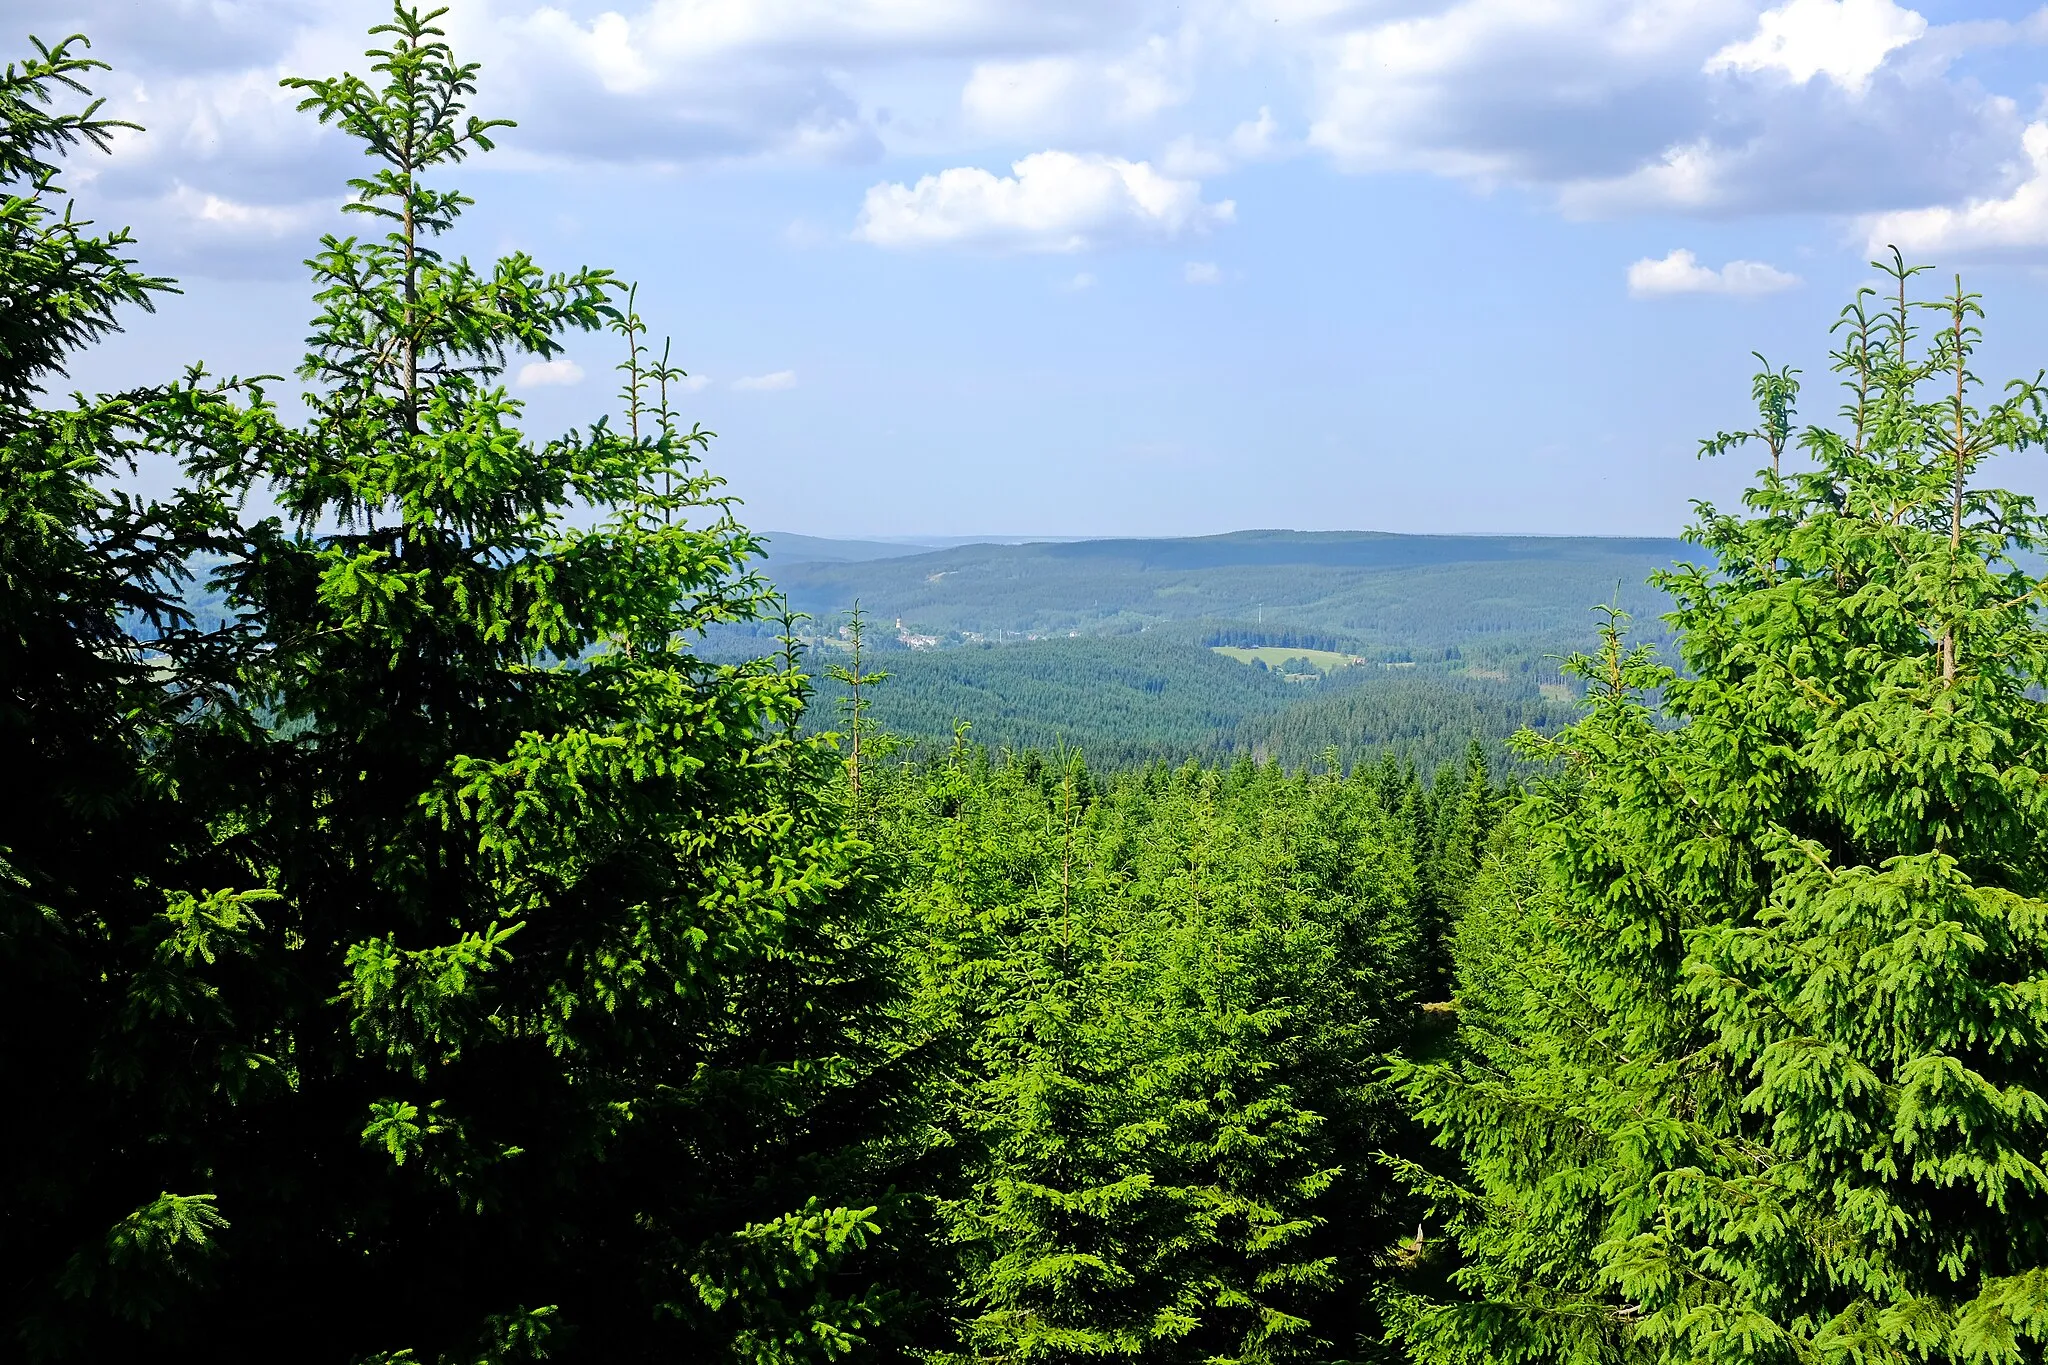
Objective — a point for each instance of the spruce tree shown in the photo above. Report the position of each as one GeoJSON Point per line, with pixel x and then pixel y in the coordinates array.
{"type": "Point", "coordinates": [1755, 998]}
{"type": "Point", "coordinates": [1170, 993]}
{"type": "Point", "coordinates": [1056, 1220]}
{"type": "Point", "coordinates": [93, 631]}
{"type": "Point", "coordinates": [509, 987]}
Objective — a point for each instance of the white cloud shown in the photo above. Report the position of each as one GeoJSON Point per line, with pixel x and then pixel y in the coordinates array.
{"type": "Point", "coordinates": [561, 373]}
{"type": "Point", "coordinates": [1606, 107]}
{"type": "Point", "coordinates": [1077, 282]}
{"type": "Point", "coordinates": [1061, 94]}
{"type": "Point", "coordinates": [1844, 40]}
{"type": "Point", "coordinates": [660, 81]}
{"type": "Point", "coordinates": [692, 383]}
{"type": "Point", "coordinates": [1519, 89]}
{"type": "Point", "coordinates": [1005, 96]}
{"type": "Point", "coordinates": [1681, 273]}
{"type": "Point", "coordinates": [1054, 201]}
{"type": "Point", "coordinates": [190, 230]}
{"type": "Point", "coordinates": [1201, 272]}
{"type": "Point", "coordinates": [2013, 223]}
{"type": "Point", "coordinates": [1842, 156]}
{"type": "Point", "coordinates": [1609, 104]}
{"type": "Point", "coordinates": [1690, 178]}
{"type": "Point", "coordinates": [233, 218]}
{"type": "Point", "coordinates": [766, 383]}
{"type": "Point", "coordinates": [675, 81]}
{"type": "Point", "coordinates": [1253, 140]}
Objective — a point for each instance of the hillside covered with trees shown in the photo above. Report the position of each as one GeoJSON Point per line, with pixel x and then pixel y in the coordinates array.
{"type": "Point", "coordinates": [446, 948]}
{"type": "Point", "coordinates": [1407, 597]}
{"type": "Point", "coordinates": [1109, 644]}
{"type": "Point", "coordinates": [1128, 700]}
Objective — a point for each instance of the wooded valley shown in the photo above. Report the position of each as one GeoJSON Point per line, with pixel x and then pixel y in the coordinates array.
{"type": "Point", "coordinates": [452, 911]}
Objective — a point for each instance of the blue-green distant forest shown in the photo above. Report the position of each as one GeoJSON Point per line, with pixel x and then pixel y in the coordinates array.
{"type": "Point", "coordinates": [1107, 645]}
{"type": "Point", "coordinates": [455, 909]}
{"type": "Point", "coordinates": [1489, 600]}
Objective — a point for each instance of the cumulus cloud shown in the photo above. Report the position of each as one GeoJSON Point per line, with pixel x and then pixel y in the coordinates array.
{"type": "Point", "coordinates": [2014, 223]}
{"type": "Point", "coordinates": [1844, 40]}
{"type": "Point", "coordinates": [560, 373]}
{"type": "Point", "coordinates": [1604, 107]}
{"type": "Point", "coordinates": [1005, 95]}
{"type": "Point", "coordinates": [1255, 139]}
{"type": "Point", "coordinates": [1827, 153]}
{"type": "Point", "coordinates": [1508, 89]}
{"type": "Point", "coordinates": [663, 82]}
{"type": "Point", "coordinates": [766, 383]}
{"type": "Point", "coordinates": [251, 220]}
{"type": "Point", "coordinates": [1076, 283]}
{"type": "Point", "coordinates": [1057, 95]}
{"type": "Point", "coordinates": [1712, 107]}
{"type": "Point", "coordinates": [674, 81]}
{"type": "Point", "coordinates": [1052, 201]}
{"type": "Point", "coordinates": [1681, 273]}
{"type": "Point", "coordinates": [668, 87]}
{"type": "Point", "coordinates": [186, 229]}
{"type": "Point", "coordinates": [1202, 272]}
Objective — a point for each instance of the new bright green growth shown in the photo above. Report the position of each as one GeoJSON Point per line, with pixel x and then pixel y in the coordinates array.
{"type": "Point", "coordinates": [1755, 999]}
{"type": "Point", "coordinates": [417, 949]}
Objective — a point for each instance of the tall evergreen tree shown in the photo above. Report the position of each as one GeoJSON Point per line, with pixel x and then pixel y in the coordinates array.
{"type": "Point", "coordinates": [91, 630]}
{"type": "Point", "coordinates": [508, 988]}
{"type": "Point", "coordinates": [1058, 1220]}
{"type": "Point", "coordinates": [1756, 1025]}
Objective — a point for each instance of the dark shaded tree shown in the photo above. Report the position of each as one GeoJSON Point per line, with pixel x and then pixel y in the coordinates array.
{"type": "Point", "coordinates": [488, 977]}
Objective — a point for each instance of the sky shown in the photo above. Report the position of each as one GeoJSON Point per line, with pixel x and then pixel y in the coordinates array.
{"type": "Point", "coordinates": [1126, 267]}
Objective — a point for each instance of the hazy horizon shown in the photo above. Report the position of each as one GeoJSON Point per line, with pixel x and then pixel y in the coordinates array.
{"type": "Point", "coordinates": [949, 539]}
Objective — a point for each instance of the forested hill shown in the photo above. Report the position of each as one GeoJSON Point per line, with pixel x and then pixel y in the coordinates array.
{"type": "Point", "coordinates": [1127, 700]}
{"type": "Point", "coordinates": [788, 546]}
{"type": "Point", "coordinates": [1374, 591]}
{"type": "Point", "coordinates": [1426, 642]}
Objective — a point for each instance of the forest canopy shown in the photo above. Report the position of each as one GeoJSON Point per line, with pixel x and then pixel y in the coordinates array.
{"type": "Point", "coordinates": [433, 951]}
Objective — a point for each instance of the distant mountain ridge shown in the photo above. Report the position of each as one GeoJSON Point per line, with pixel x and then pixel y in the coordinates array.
{"type": "Point", "coordinates": [1339, 549]}
{"type": "Point", "coordinates": [789, 547]}
{"type": "Point", "coordinates": [1259, 546]}
{"type": "Point", "coordinates": [1112, 643]}
{"type": "Point", "coordinates": [1382, 592]}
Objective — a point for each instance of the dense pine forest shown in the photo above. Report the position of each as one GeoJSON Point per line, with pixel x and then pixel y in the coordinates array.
{"type": "Point", "coordinates": [433, 951]}
{"type": "Point", "coordinates": [1128, 701]}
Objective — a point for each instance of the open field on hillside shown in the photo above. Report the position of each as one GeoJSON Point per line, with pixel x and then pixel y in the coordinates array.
{"type": "Point", "coordinates": [1276, 657]}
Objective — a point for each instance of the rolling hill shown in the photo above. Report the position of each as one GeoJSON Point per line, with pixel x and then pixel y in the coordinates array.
{"type": "Point", "coordinates": [1381, 594]}
{"type": "Point", "coordinates": [1113, 644]}
{"type": "Point", "coordinates": [791, 548]}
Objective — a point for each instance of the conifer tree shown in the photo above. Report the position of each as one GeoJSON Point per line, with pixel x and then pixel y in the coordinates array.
{"type": "Point", "coordinates": [1754, 996]}
{"type": "Point", "coordinates": [1281, 916]}
{"type": "Point", "coordinates": [1172, 990]}
{"type": "Point", "coordinates": [514, 993]}
{"type": "Point", "coordinates": [860, 726]}
{"type": "Point", "coordinates": [1057, 1219]}
{"type": "Point", "coordinates": [1463, 810]}
{"type": "Point", "coordinates": [92, 635]}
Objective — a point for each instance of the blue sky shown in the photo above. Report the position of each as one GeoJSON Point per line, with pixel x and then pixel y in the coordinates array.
{"type": "Point", "coordinates": [1124, 267]}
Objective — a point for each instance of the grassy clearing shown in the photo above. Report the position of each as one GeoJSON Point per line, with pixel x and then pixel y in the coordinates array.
{"type": "Point", "coordinates": [1273, 656]}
